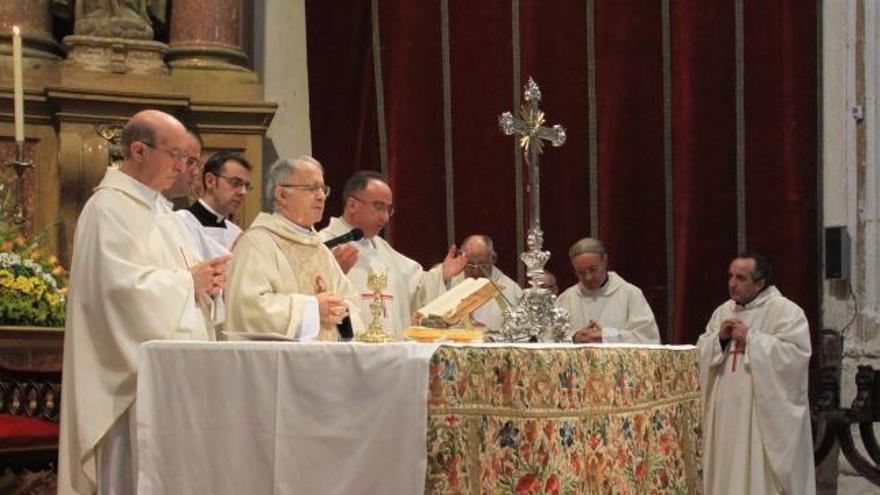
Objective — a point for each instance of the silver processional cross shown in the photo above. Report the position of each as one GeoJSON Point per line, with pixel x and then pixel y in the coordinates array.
{"type": "Point", "coordinates": [535, 316]}
{"type": "Point", "coordinates": [532, 133]}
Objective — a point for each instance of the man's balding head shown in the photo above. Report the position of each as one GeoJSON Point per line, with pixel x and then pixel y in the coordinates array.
{"type": "Point", "coordinates": [480, 252]}
{"type": "Point", "coordinates": [154, 145]}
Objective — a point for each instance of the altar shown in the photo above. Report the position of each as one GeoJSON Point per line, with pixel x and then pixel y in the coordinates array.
{"type": "Point", "coordinates": [259, 417]}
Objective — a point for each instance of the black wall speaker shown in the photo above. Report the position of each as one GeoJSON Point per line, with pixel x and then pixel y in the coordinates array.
{"type": "Point", "coordinates": [837, 257]}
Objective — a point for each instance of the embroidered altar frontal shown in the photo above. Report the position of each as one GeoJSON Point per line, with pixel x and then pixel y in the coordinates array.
{"type": "Point", "coordinates": [576, 420]}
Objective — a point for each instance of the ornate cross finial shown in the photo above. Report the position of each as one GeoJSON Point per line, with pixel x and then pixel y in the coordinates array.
{"type": "Point", "coordinates": [535, 316]}
{"type": "Point", "coordinates": [530, 126]}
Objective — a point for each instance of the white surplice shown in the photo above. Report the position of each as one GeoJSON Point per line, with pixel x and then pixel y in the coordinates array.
{"type": "Point", "coordinates": [619, 307]}
{"type": "Point", "coordinates": [756, 433]}
{"type": "Point", "coordinates": [277, 269]}
{"type": "Point", "coordinates": [491, 314]}
{"type": "Point", "coordinates": [211, 240]}
{"type": "Point", "coordinates": [129, 284]}
{"type": "Point", "coordinates": [409, 287]}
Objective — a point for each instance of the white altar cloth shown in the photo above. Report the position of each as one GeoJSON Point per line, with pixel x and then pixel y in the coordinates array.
{"type": "Point", "coordinates": [282, 418]}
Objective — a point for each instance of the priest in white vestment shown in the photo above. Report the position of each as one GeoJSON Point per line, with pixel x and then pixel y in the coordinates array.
{"type": "Point", "coordinates": [368, 205]}
{"type": "Point", "coordinates": [604, 307]}
{"type": "Point", "coordinates": [481, 256]}
{"type": "Point", "coordinates": [754, 360]}
{"type": "Point", "coordinates": [131, 282]}
{"type": "Point", "coordinates": [283, 279]}
{"type": "Point", "coordinates": [226, 178]}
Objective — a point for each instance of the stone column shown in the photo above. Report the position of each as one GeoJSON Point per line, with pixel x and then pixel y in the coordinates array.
{"type": "Point", "coordinates": [35, 20]}
{"type": "Point", "coordinates": [207, 34]}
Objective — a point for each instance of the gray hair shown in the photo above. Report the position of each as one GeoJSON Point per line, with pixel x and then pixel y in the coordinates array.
{"type": "Point", "coordinates": [136, 131]}
{"type": "Point", "coordinates": [283, 170]}
{"type": "Point", "coordinates": [586, 245]}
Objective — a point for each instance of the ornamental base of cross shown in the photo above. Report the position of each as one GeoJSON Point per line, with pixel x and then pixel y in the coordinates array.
{"type": "Point", "coordinates": [535, 317]}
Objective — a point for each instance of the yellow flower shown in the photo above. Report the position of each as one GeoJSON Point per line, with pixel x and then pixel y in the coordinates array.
{"type": "Point", "coordinates": [5, 277]}
{"type": "Point", "coordinates": [23, 284]}
{"type": "Point", "coordinates": [52, 298]}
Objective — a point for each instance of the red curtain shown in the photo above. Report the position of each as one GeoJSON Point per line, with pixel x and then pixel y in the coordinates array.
{"type": "Point", "coordinates": [410, 31]}
{"type": "Point", "coordinates": [704, 153]}
{"type": "Point", "coordinates": [781, 134]}
{"type": "Point", "coordinates": [553, 39]}
{"type": "Point", "coordinates": [634, 195]}
{"type": "Point", "coordinates": [342, 95]}
{"type": "Point", "coordinates": [629, 87]}
{"type": "Point", "coordinates": [480, 46]}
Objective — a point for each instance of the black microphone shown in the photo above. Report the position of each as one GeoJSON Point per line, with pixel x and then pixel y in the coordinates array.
{"type": "Point", "coordinates": [345, 329]}
{"type": "Point", "coordinates": [355, 234]}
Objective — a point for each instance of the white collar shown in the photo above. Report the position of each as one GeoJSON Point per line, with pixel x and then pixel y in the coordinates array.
{"type": "Point", "coordinates": [158, 203]}
{"type": "Point", "coordinates": [296, 228]}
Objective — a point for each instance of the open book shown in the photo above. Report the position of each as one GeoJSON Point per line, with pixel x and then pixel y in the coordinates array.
{"type": "Point", "coordinates": [456, 303]}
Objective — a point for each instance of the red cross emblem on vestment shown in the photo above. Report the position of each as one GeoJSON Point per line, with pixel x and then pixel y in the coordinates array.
{"type": "Point", "coordinates": [382, 298]}
{"type": "Point", "coordinates": [735, 350]}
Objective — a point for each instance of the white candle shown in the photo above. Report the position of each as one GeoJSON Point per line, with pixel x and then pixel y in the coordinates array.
{"type": "Point", "coordinates": [19, 86]}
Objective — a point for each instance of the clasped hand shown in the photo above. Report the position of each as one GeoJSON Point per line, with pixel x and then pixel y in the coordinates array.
{"type": "Point", "coordinates": [590, 334]}
{"type": "Point", "coordinates": [209, 277]}
{"type": "Point", "coordinates": [733, 328]}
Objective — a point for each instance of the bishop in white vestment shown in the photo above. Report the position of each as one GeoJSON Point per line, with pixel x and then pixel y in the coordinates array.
{"type": "Point", "coordinates": [282, 278]}
{"type": "Point", "coordinates": [130, 283]}
{"type": "Point", "coordinates": [754, 359]}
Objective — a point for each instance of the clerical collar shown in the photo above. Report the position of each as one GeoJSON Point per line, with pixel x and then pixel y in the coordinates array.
{"type": "Point", "coordinates": [206, 216]}
{"type": "Point", "coordinates": [220, 217]}
{"type": "Point", "coordinates": [299, 229]}
{"type": "Point", "coordinates": [753, 298]}
{"type": "Point", "coordinates": [603, 285]}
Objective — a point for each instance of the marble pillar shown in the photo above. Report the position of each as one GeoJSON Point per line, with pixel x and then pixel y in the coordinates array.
{"type": "Point", "coordinates": [35, 20]}
{"type": "Point", "coordinates": [207, 34]}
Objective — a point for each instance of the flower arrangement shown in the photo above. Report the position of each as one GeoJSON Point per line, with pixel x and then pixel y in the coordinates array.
{"type": "Point", "coordinates": [33, 284]}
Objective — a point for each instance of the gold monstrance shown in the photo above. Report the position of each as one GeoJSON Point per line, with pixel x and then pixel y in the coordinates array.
{"type": "Point", "coordinates": [375, 334]}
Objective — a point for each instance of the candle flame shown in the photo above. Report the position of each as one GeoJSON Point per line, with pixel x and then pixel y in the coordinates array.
{"type": "Point", "coordinates": [15, 30]}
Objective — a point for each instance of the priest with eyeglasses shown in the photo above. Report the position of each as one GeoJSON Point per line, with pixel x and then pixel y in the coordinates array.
{"type": "Point", "coordinates": [283, 279]}
{"type": "Point", "coordinates": [226, 179]}
{"type": "Point", "coordinates": [368, 205]}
